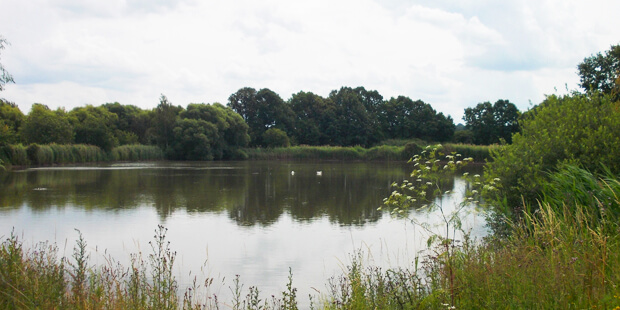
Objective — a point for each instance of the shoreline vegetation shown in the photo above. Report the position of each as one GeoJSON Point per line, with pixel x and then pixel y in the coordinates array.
{"type": "Point", "coordinates": [561, 255]}
{"type": "Point", "coordinates": [57, 154]}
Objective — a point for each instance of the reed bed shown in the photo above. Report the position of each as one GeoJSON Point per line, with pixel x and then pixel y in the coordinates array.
{"type": "Point", "coordinates": [480, 153]}
{"type": "Point", "coordinates": [304, 152]}
{"type": "Point", "coordinates": [59, 154]}
{"type": "Point", "coordinates": [400, 152]}
{"type": "Point", "coordinates": [14, 155]}
{"type": "Point", "coordinates": [64, 154]}
{"type": "Point", "coordinates": [136, 152]}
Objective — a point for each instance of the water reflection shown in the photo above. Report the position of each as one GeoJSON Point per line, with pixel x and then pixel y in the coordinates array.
{"type": "Point", "coordinates": [251, 193]}
{"type": "Point", "coordinates": [255, 219]}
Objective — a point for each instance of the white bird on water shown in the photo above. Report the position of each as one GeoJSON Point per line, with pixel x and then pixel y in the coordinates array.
{"type": "Point", "coordinates": [292, 172]}
{"type": "Point", "coordinates": [319, 173]}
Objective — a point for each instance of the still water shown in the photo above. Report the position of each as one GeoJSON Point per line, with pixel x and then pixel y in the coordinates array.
{"type": "Point", "coordinates": [253, 219]}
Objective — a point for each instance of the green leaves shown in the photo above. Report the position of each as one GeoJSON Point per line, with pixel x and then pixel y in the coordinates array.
{"type": "Point", "coordinates": [5, 77]}
{"type": "Point", "coordinates": [431, 168]}
{"type": "Point", "coordinates": [577, 128]}
{"type": "Point", "coordinates": [492, 123]}
{"type": "Point", "coordinates": [601, 72]}
{"type": "Point", "coordinates": [45, 126]}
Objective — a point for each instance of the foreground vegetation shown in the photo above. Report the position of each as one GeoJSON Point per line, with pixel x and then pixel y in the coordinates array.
{"type": "Point", "coordinates": [563, 255]}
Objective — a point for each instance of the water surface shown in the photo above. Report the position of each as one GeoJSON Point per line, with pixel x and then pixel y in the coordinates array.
{"type": "Point", "coordinates": [254, 219]}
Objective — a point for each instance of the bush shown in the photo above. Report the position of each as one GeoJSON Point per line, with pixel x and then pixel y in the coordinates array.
{"type": "Point", "coordinates": [275, 137]}
{"type": "Point", "coordinates": [411, 149]}
{"type": "Point", "coordinates": [580, 129]}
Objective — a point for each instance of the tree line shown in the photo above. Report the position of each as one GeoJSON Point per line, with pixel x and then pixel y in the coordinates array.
{"type": "Point", "coordinates": [252, 118]}
{"type": "Point", "coordinates": [261, 118]}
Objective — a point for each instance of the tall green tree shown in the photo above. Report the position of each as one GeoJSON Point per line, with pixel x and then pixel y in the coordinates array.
{"type": "Point", "coordinates": [95, 126]}
{"type": "Point", "coordinates": [11, 118]}
{"type": "Point", "coordinates": [490, 123]}
{"type": "Point", "coordinates": [354, 124]}
{"type": "Point", "coordinates": [601, 72]}
{"type": "Point", "coordinates": [131, 126]}
{"type": "Point", "coordinates": [244, 103]}
{"type": "Point", "coordinates": [229, 134]}
{"type": "Point", "coordinates": [194, 139]}
{"type": "Point", "coordinates": [262, 110]}
{"type": "Point", "coordinates": [314, 115]}
{"type": "Point", "coordinates": [44, 126]}
{"type": "Point", "coordinates": [164, 121]}
{"type": "Point", "coordinates": [5, 77]}
{"type": "Point", "coordinates": [403, 118]}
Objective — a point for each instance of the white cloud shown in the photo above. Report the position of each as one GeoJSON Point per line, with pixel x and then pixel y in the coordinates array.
{"type": "Point", "coordinates": [449, 54]}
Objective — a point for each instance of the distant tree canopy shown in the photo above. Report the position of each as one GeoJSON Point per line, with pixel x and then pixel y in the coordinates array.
{"type": "Point", "coordinates": [601, 72]}
{"type": "Point", "coordinates": [11, 119]}
{"type": "Point", "coordinates": [313, 118]}
{"type": "Point", "coordinates": [206, 132]}
{"type": "Point", "coordinates": [403, 118]}
{"type": "Point", "coordinates": [347, 117]}
{"type": "Point", "coordinates": [489, 123]}
{"type": "Point", "coordinates": [94, 126]}
{"type": "Point", "coordinates": [44, 126]}
{"type": "Point", "coordinates": [262, 110]}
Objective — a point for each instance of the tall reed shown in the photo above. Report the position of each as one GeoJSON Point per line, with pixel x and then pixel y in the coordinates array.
{"type": "Point", "coordinates": [302, 152]}
{"type": "Point", "coordinates": [563, 254]}
{"type": "Point", "coordinates": [14, 155]}
{"type": "Point", "coordinates": [136, 152]}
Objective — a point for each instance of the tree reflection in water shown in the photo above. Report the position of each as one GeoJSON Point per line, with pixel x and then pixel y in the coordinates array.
{"type": "Point", "coordinates": [250, 192]}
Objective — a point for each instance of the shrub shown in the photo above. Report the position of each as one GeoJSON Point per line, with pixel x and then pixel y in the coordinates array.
{"type": "Point", "coordinates": [275, 137]}
{"type": "Point", "coordinates": [579, 129]}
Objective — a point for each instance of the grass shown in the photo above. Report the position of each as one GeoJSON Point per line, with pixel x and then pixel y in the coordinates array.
{"type": "Point", "coordinates": [58, 154]}
{"type": "Point", "coordinates": [562, 254]}
{"type": "Point", "coordinates": [401, 151]}
{"type": "Point", "coordinates": [136, 152]}
{"type": "Point", "coordinates": [391, 150]}
{"type": "Point", "coordinates": [39, 279]}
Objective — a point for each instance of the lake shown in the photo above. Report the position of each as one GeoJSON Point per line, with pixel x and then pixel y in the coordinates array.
{"type": "Point", "coordinates": [255, 219]}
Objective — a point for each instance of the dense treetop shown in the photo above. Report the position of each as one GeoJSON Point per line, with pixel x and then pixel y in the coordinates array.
{"type": "Point", "coordinates": [601, 72]}
{"type": "Point", "coordinates": [257, 118]}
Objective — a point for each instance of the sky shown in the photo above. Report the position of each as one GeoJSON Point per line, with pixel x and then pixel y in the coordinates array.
{"type": "Point", "coordinates": [450, 54]}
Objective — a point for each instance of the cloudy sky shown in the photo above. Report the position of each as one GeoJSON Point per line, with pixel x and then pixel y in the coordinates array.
{"type": "Point", "coordinates": [451, 54]}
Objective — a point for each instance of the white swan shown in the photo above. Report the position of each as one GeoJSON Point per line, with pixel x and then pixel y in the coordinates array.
{"type": "Point", "coordinates": [319, 173]}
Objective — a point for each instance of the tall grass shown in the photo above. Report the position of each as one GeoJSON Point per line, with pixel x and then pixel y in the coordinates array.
{"type": "Point", "coordinates": [480, 153]}
{"type": "Point", "coordinates": [63, 154]}
{"type": "Point", "coordinates": [402, 151]}
{"type": "Point", "coordinates": [136, 152]}
{"type": "Point", "coordinates": [383, 152]}
{"type": "Point", "coordinates": [39, 279]}
{"type": "Point", "coordinates": [53, 154]}
{"type": "Point", "coordinates": [14, 155]}
{"type": "Point", "coordinates": [561, 255]}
